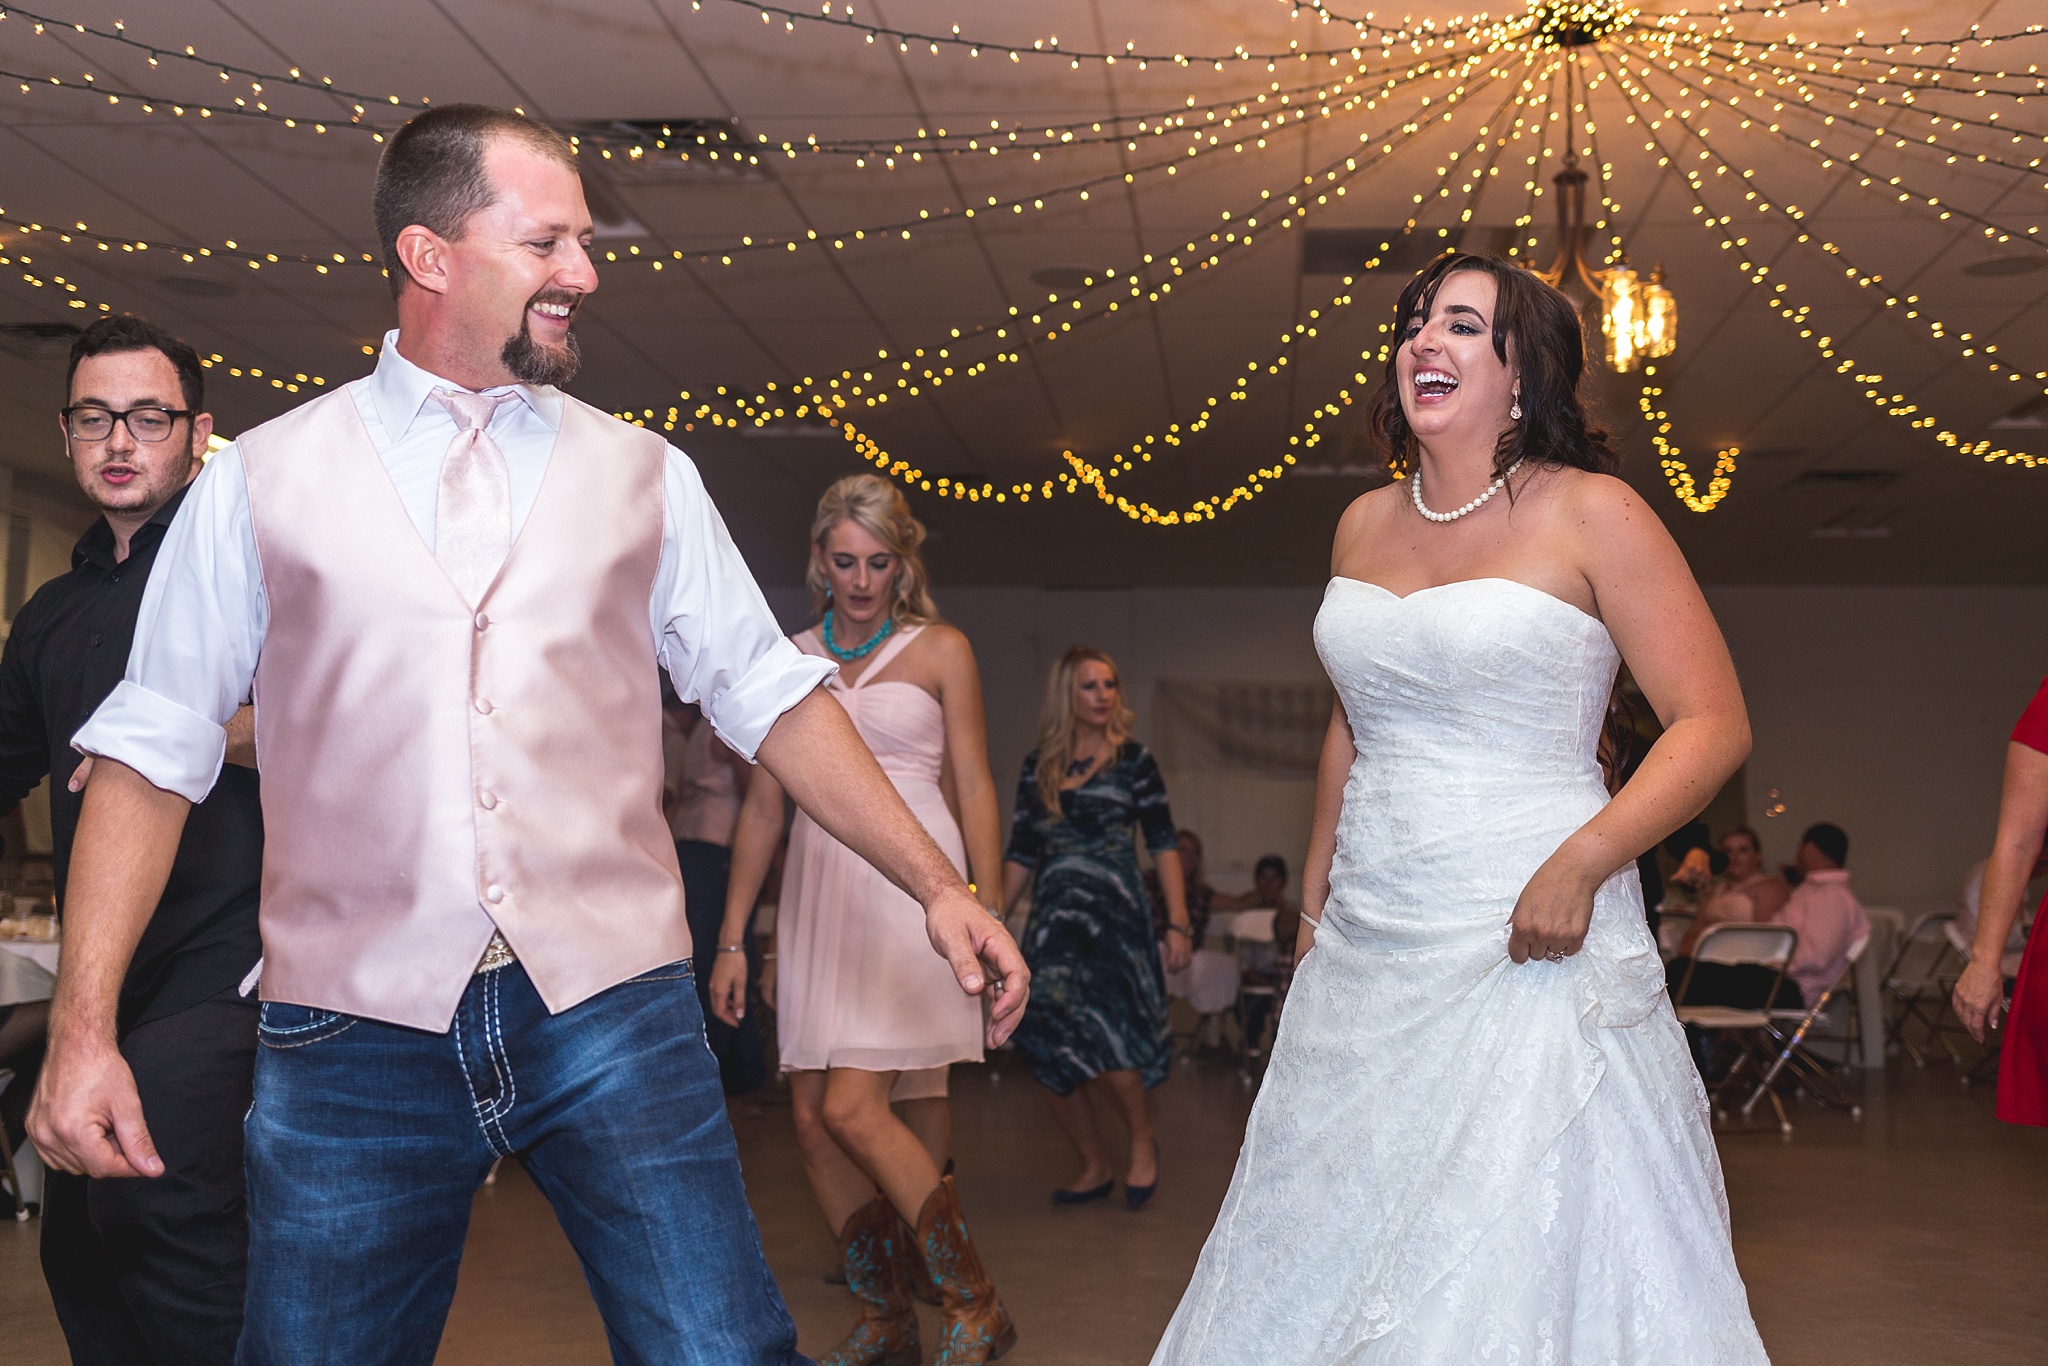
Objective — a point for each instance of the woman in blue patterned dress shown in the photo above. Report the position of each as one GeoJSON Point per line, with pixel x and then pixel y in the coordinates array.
{"type": "Point", "coordinates": [1097, 1021]}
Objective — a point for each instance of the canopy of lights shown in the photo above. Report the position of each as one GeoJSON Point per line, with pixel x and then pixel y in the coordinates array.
{"type": "Point", "coordinates": [1532, 95]}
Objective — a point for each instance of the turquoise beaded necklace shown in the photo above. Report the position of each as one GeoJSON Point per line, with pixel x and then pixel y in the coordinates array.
{"type": "Point", "coordinates": [860, 651]}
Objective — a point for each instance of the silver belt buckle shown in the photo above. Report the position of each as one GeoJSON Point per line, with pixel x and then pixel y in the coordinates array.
{"type": "Point", "coordinates": [497, 954]}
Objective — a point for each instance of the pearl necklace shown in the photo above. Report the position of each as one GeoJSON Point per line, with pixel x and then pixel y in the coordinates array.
{"type": "Point", "coordinates": [1415, 492]}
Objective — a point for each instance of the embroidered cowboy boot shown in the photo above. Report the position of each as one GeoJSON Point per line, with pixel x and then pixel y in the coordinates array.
{"type": "Point", "coordinates": [978, 1328]}
{"type": "Point", "coordinates": [886, 1332]}
{"type": "Point", "coordinates": [910, 1266]}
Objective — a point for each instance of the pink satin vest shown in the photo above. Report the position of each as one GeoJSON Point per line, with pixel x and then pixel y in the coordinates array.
{"type": "Point", "coordinates": [430, 769]}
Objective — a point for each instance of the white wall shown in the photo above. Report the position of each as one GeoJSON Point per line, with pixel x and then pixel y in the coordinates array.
{"type": "Point", "coordinates": [1885, 710]}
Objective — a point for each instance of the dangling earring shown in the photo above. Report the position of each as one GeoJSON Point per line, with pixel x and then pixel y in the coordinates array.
{"type": "Point", "coordinates": [1515, 413]}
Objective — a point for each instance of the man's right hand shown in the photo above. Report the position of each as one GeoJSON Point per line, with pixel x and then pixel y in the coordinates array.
{"type": "Point", "coordinates": [87, 1116]}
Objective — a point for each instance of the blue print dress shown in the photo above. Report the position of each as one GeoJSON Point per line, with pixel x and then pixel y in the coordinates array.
{"type": "Point", "coordinates": [1098, 992]}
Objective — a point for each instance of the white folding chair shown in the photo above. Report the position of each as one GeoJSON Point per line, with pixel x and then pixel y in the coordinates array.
{"type": "Point", "coordinates": [8, 1176]}
{"type": "Point", "coordinates": [1918, 984]}
{"type": "Point", "coordinates": [1812, 1074]}
{"type": "Point", "coordinates": [1762, 946]}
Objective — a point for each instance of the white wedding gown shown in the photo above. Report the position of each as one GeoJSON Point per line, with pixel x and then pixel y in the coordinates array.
{"type": "Point", "coordinates": [1456, 1159]}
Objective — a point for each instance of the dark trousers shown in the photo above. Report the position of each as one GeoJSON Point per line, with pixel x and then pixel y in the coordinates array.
{"type": "Point", "coordinates": [742, 1057]}
{"type": "Point", "coordinates": [1740, 985]}
{"type": "Point", "coordinates": [150, 1271]}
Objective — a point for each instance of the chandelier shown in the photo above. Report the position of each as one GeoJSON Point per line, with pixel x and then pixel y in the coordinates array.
{"type": "Point", "coordinates": [1627, 319]}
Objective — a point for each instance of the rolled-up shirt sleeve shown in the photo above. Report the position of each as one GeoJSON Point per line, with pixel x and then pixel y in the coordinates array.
{"type": "Point", "coordinates": [713, 631]}
{"type": "Point", "coordinates": [197, 638]}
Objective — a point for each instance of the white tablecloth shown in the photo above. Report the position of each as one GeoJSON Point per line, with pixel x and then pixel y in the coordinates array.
{"type": "Point", "coordinates": [28, 971]}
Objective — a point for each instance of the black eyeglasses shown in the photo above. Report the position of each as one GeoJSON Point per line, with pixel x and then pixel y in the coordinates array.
{"type": "Point", "coordinates": [90, 422]}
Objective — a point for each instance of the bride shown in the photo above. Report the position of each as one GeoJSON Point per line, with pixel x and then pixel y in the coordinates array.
{"type": "Point", "coordinates": [1481, 1138]}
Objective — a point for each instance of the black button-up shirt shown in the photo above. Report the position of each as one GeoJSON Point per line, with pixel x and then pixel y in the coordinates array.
{"type": "Point", "coordinates": [68, 649]}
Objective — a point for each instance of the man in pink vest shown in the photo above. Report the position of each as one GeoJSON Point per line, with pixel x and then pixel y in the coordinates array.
{"type": "Point", "coordinates": [450, 585]}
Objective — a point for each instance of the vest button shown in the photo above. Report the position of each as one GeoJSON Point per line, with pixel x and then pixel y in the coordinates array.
{"type": "Point", "coordinates": [483, 706]}
{"type": "Point", "coordinates": [482, 621]}
{"type": "Point", "coordinates": [488, 800]}
{"type": "Point", "coordinates": [494, 894]}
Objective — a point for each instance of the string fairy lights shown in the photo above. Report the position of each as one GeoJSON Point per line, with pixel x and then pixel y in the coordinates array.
{"type": "Point", "coordinates": [1874, 388]}
{"type": "Point", "coordinates": [291, 382]}
{"type": "Point", "coordinates": [1861, 109]}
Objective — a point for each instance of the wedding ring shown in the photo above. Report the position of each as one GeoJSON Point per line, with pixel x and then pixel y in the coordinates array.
{"type": "Point", "coordinates": [1555, 955]}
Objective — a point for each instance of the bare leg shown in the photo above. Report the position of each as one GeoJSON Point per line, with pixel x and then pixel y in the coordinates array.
{"type": "Point", "coordinates": [931, 1119]}
{"type": "Point", "coordinates": [1076, 1114]}
{"type": "Point", "coordinates": [1129, 1092]}
{"type": "Point", "coordinates": [838, 1182]}
{"type": "Point", "coordinates": [861, 1125]}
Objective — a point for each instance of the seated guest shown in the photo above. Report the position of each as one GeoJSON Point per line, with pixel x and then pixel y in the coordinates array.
{"type": "Point", "coordinates": [1742, 891]}
{"type": "Point", "coordinates": [1209, 982]}
{"type": "Point", "coordinates": [1821, 908]}
{"type": "Point", "coordinates": [1826, 913]}
{"type": "Point", "coordinates": [1968, 899]}
{"type": "Point", "coordinates": [1271, 964]}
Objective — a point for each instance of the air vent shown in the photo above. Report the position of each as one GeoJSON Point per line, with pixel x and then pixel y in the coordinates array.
{"type": "Point", "coordinates": [669, 151]}
{"type": "Point", "coordinates": [796, 429]}
{"type": "Point", "coordinates": [1998, 267]}
{"type": "Point", "coordinates": [2032, 413]}
{"type": "Point", "coordinates": [1345, 251]}
{"type": "Point", "coordinates": [1846, 479]}
{"type": "Point", "coordinates": [46, 336]}
{"type": "Point", "coordinates": [1066, 279]}
{"type": "Point", "coordinates": [195, 286]}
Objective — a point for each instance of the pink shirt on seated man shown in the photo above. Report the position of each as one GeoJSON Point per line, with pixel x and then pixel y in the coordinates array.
{"type": "Point", "coordinates": [1824, 910]}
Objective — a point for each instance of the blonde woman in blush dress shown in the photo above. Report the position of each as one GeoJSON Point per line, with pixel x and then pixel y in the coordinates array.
{"type": "Point", "coordinates": [861, 1015]}
{"type": "Point", "coordinates": [1480, 1139]}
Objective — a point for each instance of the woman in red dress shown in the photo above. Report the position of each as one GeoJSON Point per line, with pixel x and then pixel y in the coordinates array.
{"type": "Point", "coordinates": [1980, 991]}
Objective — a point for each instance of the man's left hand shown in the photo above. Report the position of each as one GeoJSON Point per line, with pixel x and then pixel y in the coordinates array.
{"type": "Point", "coordinates": [978, 947]}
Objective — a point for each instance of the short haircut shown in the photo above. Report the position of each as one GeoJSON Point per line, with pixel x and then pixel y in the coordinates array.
{"type": "Point", "coordinates": [1831, 840]}
{"type": "Point", "coordinates": [1271, 863]}
{"type": "Point", "coordinates": [432, 172]}
{"type": "Point", "coordinates": [125, 332]}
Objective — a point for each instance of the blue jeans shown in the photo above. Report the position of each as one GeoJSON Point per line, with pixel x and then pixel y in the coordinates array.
{"type": "Point", "coordinates": [368, 1141]}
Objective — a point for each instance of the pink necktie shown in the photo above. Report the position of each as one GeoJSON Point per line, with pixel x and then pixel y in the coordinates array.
{"type": "Point", "coordinates": [473, 514]}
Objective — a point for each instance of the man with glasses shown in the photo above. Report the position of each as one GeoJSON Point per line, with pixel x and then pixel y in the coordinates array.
{"type": "Point", "coordinates": [151, 1268]}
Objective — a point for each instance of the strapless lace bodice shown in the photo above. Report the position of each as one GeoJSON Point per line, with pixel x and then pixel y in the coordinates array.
{"type": "Point", "coordinates": [1455, 1158]}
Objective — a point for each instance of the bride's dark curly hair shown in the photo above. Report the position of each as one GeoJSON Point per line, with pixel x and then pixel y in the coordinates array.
{"type": "Point", "coordinates": [1550, 354]}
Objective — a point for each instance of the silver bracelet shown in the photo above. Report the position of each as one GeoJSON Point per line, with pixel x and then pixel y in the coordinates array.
{"type": "Point", "coordinates": [732, 948]}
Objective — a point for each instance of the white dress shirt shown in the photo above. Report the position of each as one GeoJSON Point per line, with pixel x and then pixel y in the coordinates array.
{"type": "Point", "coordinates": [204, 613]}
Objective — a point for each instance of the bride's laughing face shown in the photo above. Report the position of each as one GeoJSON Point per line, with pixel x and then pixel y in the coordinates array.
{"type": "Point", "coordinates": [1452, 384]}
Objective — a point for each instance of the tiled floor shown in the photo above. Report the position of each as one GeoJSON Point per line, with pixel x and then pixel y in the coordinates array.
{"type": "Point", "coordinates": [1917, 1237]}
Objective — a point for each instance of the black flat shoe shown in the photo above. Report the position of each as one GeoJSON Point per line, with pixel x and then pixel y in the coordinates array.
{"type": "Point", "coordinates": [1135, 1197]}
{"type": "Point", "coordinates": [1086, 1197]}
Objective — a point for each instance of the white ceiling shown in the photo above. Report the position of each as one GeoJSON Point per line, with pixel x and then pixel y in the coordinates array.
{"type": "Point", "coordinates": [1742, 375]}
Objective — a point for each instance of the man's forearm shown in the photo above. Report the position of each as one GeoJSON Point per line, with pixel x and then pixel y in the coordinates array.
{"type": "Point", "coordinates": [128, 832]}
{"type": "Point", "coordinates": [821, 761]}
